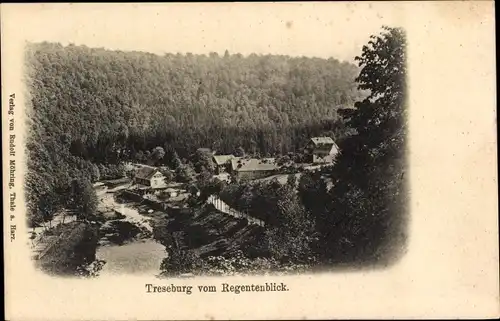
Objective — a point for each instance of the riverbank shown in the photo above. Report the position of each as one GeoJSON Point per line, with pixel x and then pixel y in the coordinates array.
{"type": "Point", "coordinates": [197, 234]}
{"type": "Point", "coordinates": [126, 244]}
{"type": "Point", "coordinates": [117, 240]}
{"type": "Point", "coordinates": [137, 236]}
{"type": "Point", "coordinates": [72, 247]}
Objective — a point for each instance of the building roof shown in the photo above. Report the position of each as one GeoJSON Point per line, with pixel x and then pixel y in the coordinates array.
{"type": "Point", "coordinates": [222, 159]}
{"type": "Point", "coordinates": [204, 150]}
{"type": "Point", "coordinates": [146, 172]}
{"type": "Point", "coordinates": [322, 140]}
{"type": "Point", "coordinates": [253, 164]}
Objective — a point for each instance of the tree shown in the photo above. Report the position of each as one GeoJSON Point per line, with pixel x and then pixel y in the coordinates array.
{"type": "Point", "coordinates": [369, 195]}
{"type": "Point", "coordinates": [83, 199]}
{"type": "Point", "coordinates": [239, 152]}
{"type": "Point", "coordinates": [157, 154]}
{"type": "Point", "coordinates": [173, 160]}
{"type": "Point", "coordinates": [291, 181]}
{"type": "Point", "coordinates": [48, 205]}
{"type": "Point", "coordinates": [284, 160]}
{"type": "Point", "coordinates": [169, 176]}
{"type": "Point", "coordinates": [202, 161]}
{"type": "Point", "coordinates": [139, 156]}
{"type": "Point", "coordinates": [163, 235]}
{"type": "Point", "coordinates": [185, 173]}
{"type": "Point", "coordinates": [95, 173]}
{"type": "Point", "coordinates": [313, 194]}
{"type": "Point", "coordinates": [290, 239]}
{"type": "Point", "coordinates": [180, 261]}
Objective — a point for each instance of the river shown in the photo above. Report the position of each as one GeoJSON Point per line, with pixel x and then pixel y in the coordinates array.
{"type": "Point", "coordinates": [136, 257]}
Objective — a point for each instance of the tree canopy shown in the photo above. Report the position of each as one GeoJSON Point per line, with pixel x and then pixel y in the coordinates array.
{"type": "Point", "coordinates": [93, 108]}
{"type": "Point", "coordinates": [369, 196]}
{"type": "Point", "coordinates": [111, 104]}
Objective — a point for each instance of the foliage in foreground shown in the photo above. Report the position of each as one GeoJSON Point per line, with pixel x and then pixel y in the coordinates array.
{"type": "Point", "coordinates": [361, 218]}
{"type": "Point", "coordinates": [186, 262]}
{"type": "Point", "coordinates": [369, 197]}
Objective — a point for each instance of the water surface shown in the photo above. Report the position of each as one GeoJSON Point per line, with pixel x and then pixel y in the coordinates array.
{"type": "Point", "coordinates": [136, 257]}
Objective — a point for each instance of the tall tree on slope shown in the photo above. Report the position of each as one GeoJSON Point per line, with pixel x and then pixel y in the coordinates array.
{"type": "Point", "coordinates": [366, 217]}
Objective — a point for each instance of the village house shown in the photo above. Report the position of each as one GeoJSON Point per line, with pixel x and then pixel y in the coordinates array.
{"type": "Point", "coordinates": [222, 163]}
{"type": "Point", "coordinates": [149, 176]}
{"type": "Point", "coordinates": [321, 150]}
{"type": "Point", "coordinates": [253, 168]}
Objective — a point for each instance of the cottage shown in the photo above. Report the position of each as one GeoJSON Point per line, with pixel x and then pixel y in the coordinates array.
{"type": "Point", "coordinates": [321, 150]}
{"type": "Point", "coordinates": [222, 163]}
{"type": "Point", "coordinates": [150, 177]}
{"type": "Point", "coordinates": [253, 168]}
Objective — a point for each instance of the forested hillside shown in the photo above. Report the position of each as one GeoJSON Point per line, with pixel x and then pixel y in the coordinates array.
{"type": "Point", "coordinates": [110, 102]}
{"type": "Point", "coordinates": [92, 109]}
{"type": "Point", "coordinates": [94, 106]}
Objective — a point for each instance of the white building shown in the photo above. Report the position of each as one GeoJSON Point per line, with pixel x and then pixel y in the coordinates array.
{"type": "Point", "coordinates": [321, 150]}
{"type": "Point", "coordinates": [149, 176]}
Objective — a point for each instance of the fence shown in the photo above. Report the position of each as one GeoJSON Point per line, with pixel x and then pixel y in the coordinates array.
{"type": "Point", "coordinates": [223, 207]}
{"type": "Point", "coordinates": [214, 200]}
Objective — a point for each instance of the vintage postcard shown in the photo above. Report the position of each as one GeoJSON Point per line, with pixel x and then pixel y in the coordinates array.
{"type": "Point", "coordinates": [250, 160]}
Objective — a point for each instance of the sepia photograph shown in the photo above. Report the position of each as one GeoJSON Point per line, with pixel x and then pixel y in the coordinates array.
{"type": "Point", "coordinates": [284, 154]}
{"type": "Point", "coordinates": [218, 163]}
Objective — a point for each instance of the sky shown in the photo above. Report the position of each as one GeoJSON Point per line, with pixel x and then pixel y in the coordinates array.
{"type": "Point", "coordinates": [323, 30]}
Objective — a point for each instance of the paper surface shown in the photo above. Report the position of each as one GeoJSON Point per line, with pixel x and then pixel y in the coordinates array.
{"type": "Point", "coordinates": [450, 269]}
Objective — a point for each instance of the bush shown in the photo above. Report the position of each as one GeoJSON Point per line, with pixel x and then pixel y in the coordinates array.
{"type": "Point", "coordinates": [181, 261]}
{"type": "Point", "coordinates": [90, 270]}
{"type": "Point", "coordinates": [121, 231]}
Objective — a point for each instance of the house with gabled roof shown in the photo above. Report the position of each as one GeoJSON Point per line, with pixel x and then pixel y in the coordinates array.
{"type": "Point", "coordinates": [321, 150]}
{"type": "Point", "coordinates": [149, 176]}
{"type": "Point", "coordinates": [253, 168]}
{"type": "Point", "coordinates": [222, 163]}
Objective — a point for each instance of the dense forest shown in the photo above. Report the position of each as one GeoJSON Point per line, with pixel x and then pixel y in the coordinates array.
{"type": "Point", "coordinates": [111, 104]}
{"type": "Point", "coordinates": [94, 106]}
{"type": "Point", "coordinates": [92, 109]}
